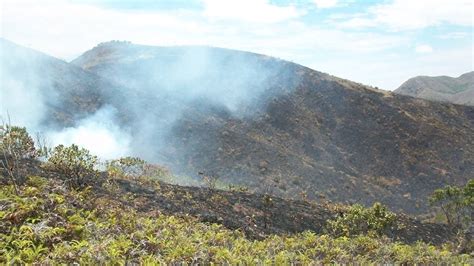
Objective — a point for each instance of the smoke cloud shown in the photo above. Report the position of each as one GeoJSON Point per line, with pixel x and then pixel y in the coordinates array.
{"type": "Point", "coordinates": [136, 94]}
{"type": "Point", "coordinates": [98, 133]}
{"type": "Point", "coordinates": [20, 100]}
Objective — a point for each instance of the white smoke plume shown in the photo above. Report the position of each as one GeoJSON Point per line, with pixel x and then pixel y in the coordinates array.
{"type": "Point", "coordinates": [98, 133]}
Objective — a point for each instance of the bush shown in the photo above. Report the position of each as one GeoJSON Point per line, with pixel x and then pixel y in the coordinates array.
{"type": "Point", "coordinates": [76, 164]}
{"type": "Point", "coordinates": [50, 226]}
{"type": "Point", "coordinates": [456, 203]}
{"type": "Point", "coordinates": [16, 144]}
{"type": "Point", "coordinates": [138, 170]}
{"type": "Point", "coordinates": [358, 220]}
{"type": "Point", "coordinates": [127, 167]}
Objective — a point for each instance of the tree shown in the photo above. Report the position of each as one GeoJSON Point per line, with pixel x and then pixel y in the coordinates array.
{"type": "Point", "coordinates": [209, 179]}
{"type": "Point", "coordinates": [456, 203]}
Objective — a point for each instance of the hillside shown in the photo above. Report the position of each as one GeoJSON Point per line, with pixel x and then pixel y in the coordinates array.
{"type": "Point", "coordinates": [293, 131]}
{"type": "Point", "coordinates": [115, 218]}
{"type": "Point", "coordinates": [252, 120]}
{"type": "Point", "coordinates": [458, 90]}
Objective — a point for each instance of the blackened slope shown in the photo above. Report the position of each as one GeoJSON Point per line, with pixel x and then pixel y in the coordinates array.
{"type": "Point", "coordinates": [336, 139]}
{"type": "Point", "coordinates": [308, 133]}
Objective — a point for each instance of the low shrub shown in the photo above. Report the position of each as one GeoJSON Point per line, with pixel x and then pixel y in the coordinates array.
{"type": "Point", "coordinates": [76, 165]}
{"type": "Point", "coordinates": [358, 220]}
{"type": "Point", "coordinates": [15, 144]}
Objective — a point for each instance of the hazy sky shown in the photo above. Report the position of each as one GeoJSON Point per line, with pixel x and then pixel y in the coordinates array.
{"type": "Point", "coordinates": [380, 43]}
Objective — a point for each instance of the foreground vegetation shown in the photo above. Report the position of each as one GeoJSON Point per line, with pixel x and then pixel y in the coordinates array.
{"type": "Point", "coordinates": [72, 213]}
{"type": "Point", "coordinates": [48, 223]}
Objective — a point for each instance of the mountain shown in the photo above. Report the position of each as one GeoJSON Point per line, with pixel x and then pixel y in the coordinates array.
{"type": "Point", "coordinates": [277, 126]}
{"type": "Point", "coordinates": [458, 90]}
{"type": "Point", "coordinates": [253, 120]}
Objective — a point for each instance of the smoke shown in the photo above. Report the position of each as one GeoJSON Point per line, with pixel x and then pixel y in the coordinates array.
{"type": "Point", "coordinates": [161, 85]}
{"type": "Point", "coordinates": [98, 133]}
{"type": "Point", "coordinates": [129, 104]}
{"type": "Point", "coordinates": [21, 99]}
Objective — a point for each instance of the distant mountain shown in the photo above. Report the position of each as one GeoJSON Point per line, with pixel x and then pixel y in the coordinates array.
{"type": "Point", "coordinates": [443, 88]}
{"type": "Point", "coordinates": [277, 126]}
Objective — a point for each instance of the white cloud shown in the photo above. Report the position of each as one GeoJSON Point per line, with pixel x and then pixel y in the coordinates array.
{"type": "Point", "coordinates": [411, 15]}
{"type": "Point", "coordinates": [454, 35]}
{"type": "Point", "coordinates": [75, 28]}
{"type": "Point", "coordinates": [394, 69]}
{"type": "Point", "coordinates": [63, 29]}
{"type": "Point", "coordinates": [423, 49]}
{"type": "Point", "coordinates": [325, 3]}
{"type": "Point", "coordinates": [248, 10]}
{"type": "Point", "coordinates": [355, 23]}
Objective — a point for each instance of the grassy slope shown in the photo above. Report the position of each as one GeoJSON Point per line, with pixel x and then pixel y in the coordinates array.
{"type": "Point", "coordinates": [106, 223]}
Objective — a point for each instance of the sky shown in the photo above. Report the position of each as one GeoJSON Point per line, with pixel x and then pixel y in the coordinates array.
{"type": "Point", "coordinates": [378, 43]}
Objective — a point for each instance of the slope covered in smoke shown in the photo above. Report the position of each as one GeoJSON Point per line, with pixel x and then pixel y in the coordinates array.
{"type": "Point", "coordinates": [64, 102]}
{"type": "Point", "coordinates": [458, 90]}
{"type": "Point", "coordinates": [274, 125]}
{"type": "Point", "coordinates": [163, 83]}
{"type": "Point", "coordinates": [37, 88]}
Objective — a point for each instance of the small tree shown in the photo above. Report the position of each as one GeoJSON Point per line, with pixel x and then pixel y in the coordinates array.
{"type": "Point", "coordinates": [76, 164]}
{"type": "Point", "coordinates": [154, 171]}
{"type": "Point", "coordinates": [16, 144]}
{"type": "Point", "coordinates": [128, 167]}
{"type": "Point", "coordinates": [15, 141]}
{"type": "Point", "coordinates": [209, 179]}
{"type": "Point", "coordinates": [456, 203]}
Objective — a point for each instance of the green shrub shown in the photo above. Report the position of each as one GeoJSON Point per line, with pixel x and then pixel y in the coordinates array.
{"type": "Point", "coordinates": [358, 220]}
{"type": "Point", "coordinates": [54, 225]}
{"type": "Point", "coordinates": [126, 167]}
{"type": "Point", "coordinates": [138, 170]}
{"type": "Point", "coordinates": [15, 144]}
{"type": "Point", "coordinates": [76, 164]}
{"type": "Point", "coordinates": [456, 203]}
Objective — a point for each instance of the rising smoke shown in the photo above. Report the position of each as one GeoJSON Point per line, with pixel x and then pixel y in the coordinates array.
{"type": "Point", "coordinates": [143, 92]}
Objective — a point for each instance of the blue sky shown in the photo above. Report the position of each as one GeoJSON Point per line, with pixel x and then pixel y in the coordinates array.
{"type": "Point", "coordinates": [379, 43]}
